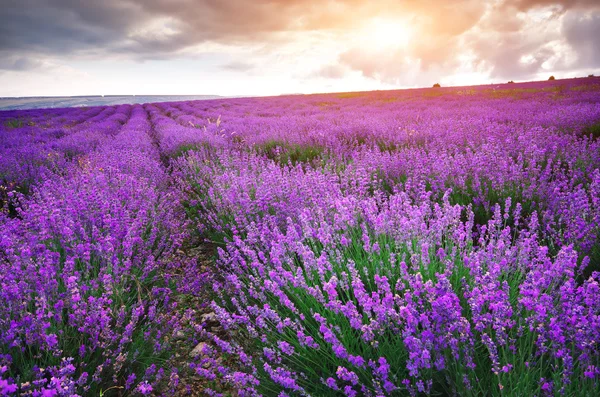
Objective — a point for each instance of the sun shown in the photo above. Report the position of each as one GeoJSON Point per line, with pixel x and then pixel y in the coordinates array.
{"type": "Point", "coordinates": [386, 33]}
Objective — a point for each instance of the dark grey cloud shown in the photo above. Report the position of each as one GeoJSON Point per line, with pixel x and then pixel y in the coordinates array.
{"type": "Point", "coordinates": [66, 26]}
{"type": "Point", "coordinates": [59, 26]}
{"type": "Point", "coordinates": [156, 29]}
{"type": "Point", "coordinates": [20, 64]}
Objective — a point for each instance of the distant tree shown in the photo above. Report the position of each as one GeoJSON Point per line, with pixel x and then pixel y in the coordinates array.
{"type": "Point", "coordinates": [551, 78]}
{"type": "Point", "coordinates": [436, 85]}
{"type": "Point", "coordinates": [591, 75]}
{"type": "Point", "coordinates": [510, 82]}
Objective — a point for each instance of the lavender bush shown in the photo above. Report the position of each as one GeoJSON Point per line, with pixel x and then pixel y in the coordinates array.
{"type": "Point", "coordinates": [416, 242]}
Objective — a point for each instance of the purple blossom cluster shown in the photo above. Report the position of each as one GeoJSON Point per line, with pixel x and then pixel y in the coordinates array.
{"type": "Point", "coordinates": [416, 242]}
{"type": "Point", "coordinates": [433, 245]}
{"type": "Point", "coordinates": [90, 271]}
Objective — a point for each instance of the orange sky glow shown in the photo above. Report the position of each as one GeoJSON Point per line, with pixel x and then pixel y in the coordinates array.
{"type": "Point", "coordinates": [270, 47]}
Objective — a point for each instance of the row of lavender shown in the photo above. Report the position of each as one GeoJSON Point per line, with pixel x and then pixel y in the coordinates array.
{"type": "Point", "coordinates": [535, 146]}
{"type": "Point", "coordinates": [443, 243]}
{"type": "Point", "coordinates": [34, 143]}
{"type": "Point", "coordinates": [91, 274]}
{"type": "Point", "coordinates": [421, 241]}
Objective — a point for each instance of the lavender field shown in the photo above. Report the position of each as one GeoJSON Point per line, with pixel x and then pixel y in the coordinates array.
{"type": "Point", "coordinates": [439, 241]}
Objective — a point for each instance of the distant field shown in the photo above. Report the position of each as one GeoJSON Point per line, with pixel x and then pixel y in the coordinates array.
{"type": "Point", "coordinates": [80, 101]}
{"type": "Point", "coordinates": [439, 241]}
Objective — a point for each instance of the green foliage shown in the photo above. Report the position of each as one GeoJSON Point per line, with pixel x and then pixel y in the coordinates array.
{"type": "Point", "coordinates": [528, 364]}
{"type": "Point", "coordinates": [286, 153]}
{"type": "Point", "coordinates": [136, 355]}
{"type": "Point", "coordinates": [436, 85]}
{"type": "Point", "coordinates": [18, 123]}
{"type": "Point", "coordinates": [185, 148]}
{"type": "Point", "coordinates": [9, 203]}
{"type": "Point", "coordinates": [386, 146]}
{"type": "Point", "coordinates": [593, 130]}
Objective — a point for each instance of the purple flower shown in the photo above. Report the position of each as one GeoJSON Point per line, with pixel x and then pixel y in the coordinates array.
{"type": "Point", "coordinates": [7, 388]}
{"type": "Point", "coordinates": [331, 383]}
{"type": "Point", "coordinates": [130, 380]}
{"type": "Point", "coordinates": [144, 388]}
{"type": "Point", "coordinates": [347, 375]}
{"type": "Point", "coordinates": [49, 393]}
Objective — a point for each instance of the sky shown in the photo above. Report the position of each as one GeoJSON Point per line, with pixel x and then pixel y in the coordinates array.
{"type": "Point", "coordinates": [272, 47]}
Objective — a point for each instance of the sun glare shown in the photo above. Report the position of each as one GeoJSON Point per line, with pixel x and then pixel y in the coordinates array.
{"type": "Point", "coordinates": [386, 33]}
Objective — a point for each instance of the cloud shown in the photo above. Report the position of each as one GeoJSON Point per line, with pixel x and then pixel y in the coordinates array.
{"type": "Point", "coordinates": [548, 40]}
{"type": "Point", "coordinates": [507, 38]}
{"type": "Point", "coordinates": [59, 27]}
{"type": "Point", "coordinates": [331, 71]}
{"type": "Point", "coordinates": [563, 4]}
{"type": "Point", "coordinates": [396, 67]}
{"type": "Point", "coordinates": [510, 40]}
{"type": "Point", "coordinates": [157, 27]}
{"type": "Point", "coordinates": [238, 66]}
{"type": "Point", "coordinates": [21, 64]}
{"type": "Point", "coordinates": [582, 30]}
{"type": "Point", "coordinates": [377, 64]}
